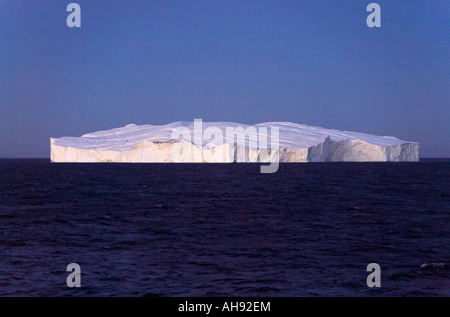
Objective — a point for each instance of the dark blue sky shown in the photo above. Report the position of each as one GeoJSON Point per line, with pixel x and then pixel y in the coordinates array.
{"type": "Point", "coordinates": [314, 62]}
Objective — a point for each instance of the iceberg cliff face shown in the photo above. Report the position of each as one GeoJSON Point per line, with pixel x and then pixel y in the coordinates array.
{"type": "Point", "coordinates": [296, 143]}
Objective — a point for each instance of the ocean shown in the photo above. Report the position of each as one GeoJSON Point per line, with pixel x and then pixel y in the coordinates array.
{"type": "Point", "coordinates": [224, 229]}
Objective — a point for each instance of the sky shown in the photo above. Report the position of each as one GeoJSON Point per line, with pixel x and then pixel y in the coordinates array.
{"type": "Point", "coordinates": [314, 62]}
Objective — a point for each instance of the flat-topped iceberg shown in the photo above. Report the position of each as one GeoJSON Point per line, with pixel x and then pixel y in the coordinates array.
{"type": "Point", "coordinates": [211, 142]}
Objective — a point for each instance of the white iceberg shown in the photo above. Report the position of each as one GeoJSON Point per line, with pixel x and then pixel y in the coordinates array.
{"type": "Point", "coordinates": [296, 143]}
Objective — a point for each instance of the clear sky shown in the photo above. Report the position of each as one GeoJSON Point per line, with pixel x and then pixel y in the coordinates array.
{"type": "Point", "coordinates": [146, 61]}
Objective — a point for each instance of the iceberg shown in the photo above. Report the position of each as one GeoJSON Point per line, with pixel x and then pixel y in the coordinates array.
{"type": "Point", "coordinates": [173, 143]}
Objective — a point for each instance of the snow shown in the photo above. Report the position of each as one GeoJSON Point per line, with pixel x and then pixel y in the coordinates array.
{"type": "Point", "coordinates": [297, 143]}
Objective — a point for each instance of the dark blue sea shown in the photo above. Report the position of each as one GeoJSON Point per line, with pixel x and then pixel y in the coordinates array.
{"type": "Point", "coordinates": [224, 229]}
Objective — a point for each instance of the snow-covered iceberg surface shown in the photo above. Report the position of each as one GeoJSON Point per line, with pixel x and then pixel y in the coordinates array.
{"type": "Point", "coordinates": [296, 143]}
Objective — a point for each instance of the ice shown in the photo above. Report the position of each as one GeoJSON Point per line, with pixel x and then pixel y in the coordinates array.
{"type": "Point", "coordinates": [297, 143]}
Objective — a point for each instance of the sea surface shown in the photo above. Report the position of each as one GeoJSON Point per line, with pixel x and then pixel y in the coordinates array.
{"type": "Point", "coordinates": [224, 229]}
